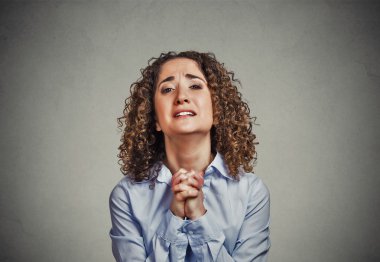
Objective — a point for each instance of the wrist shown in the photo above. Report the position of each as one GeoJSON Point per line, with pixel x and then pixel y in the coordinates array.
{"type": "Point", "coordinates": [177, 211]}
{"type": "Point", "coordinates": [197, 214]}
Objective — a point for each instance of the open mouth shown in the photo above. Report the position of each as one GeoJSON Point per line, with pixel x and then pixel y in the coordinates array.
{"type": "Point", "coordinates": [184, 114]}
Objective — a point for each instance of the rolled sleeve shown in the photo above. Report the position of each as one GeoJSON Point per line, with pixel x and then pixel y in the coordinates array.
{"type": "Point", "coordinates": [205, 238]}
{"type": "Point", "coordinates": [171, 229]}
{"type": "Point", "coordinates": [202, 230]}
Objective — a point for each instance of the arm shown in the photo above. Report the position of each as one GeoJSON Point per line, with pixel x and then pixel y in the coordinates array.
{"type": "Point", "coordinates": [168, 244]}
{"type": "Point", "coordinates": [206, 238]}
{"type": "Point", "coordinates": [253, 243]}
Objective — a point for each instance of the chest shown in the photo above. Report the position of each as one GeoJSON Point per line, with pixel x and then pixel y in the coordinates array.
{"type": "Point", "coordinates": [225, 204]}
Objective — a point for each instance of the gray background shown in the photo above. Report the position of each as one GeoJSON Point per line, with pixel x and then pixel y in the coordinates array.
{"type": "Point", "coordinates": [310, 71]}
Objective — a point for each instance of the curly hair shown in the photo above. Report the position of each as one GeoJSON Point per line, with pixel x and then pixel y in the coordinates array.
{"type": "Point", "coordinates": [231, 134]}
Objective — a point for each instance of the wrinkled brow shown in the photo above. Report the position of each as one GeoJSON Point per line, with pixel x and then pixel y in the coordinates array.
{"type": "Point", "coordinates": [188, 76]}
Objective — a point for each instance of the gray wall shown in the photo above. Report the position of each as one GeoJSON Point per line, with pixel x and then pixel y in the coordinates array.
{"type": "Point", "coordinates": [309, 69]}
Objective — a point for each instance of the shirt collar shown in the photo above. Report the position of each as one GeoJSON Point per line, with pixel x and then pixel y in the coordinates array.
{"type": "Point", "coordinates": [164, 174]}
{"type": "Point", "coordinates": [217, 166]}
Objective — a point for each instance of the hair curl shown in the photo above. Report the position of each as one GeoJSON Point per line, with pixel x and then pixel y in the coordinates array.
{"type": "Point", "coordinates": [231, 135]}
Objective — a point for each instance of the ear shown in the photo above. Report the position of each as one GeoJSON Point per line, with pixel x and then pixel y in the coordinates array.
{"type": "Point", "coordinates": [158, 127]}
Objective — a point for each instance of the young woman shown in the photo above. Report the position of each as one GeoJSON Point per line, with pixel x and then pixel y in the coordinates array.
{"type": "Point", "coordinates": [189, 193]}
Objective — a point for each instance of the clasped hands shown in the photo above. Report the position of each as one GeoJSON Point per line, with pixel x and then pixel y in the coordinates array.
{"type": "Point", "coordinates": [187, 201]}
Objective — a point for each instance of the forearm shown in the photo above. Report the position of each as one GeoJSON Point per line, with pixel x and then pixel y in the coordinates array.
{"type": "Point", "coordinates": [168, 242]}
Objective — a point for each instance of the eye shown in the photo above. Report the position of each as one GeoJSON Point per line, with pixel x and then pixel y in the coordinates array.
{"type": "Point", "coordinates": [196, 86]}
{"type": "Point", "coordinates": [166, 90]}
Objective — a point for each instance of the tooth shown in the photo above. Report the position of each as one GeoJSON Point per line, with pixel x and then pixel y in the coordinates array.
{"type": "Point", "coordinates": [184, 113]}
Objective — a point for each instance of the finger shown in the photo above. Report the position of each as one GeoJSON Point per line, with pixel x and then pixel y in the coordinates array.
{"type": "Point", "coordinates": [179, 178]}
{"type": "Point", "coordinates": [191, 178]}
{"type": "Point", "coordinates": [178, 174]}
{"type": "Point", "coordinates": [180, 171]}
{"type": "Point", "coordinates": [201, 174]}
{"type": "Point", "coordinates": [199, 178]}
{"type": "Point", "coordinates": [181, 188]}
{"type": "Point", "coordinates": [183, 195]}
{"type": "Point", "coordinates": [182, 175]}
{"type": "Point", "coordinates": [194, 183]}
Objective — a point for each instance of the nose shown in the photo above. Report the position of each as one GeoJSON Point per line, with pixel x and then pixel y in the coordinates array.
{"type": "Point", "coordinates": [182, 96]}
{"type": "Point", "coordinates": [180, 101]}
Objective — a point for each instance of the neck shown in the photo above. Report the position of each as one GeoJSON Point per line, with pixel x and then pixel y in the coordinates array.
{"type": "Point", "coordinates": [188, 152]}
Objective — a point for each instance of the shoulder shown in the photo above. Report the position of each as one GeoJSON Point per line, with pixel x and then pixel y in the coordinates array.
{"type": "Point", "coordinates": [256, 186]}
{"type": "Point", "coordinates": [247, 182]}
{"type": "Point", "coordinates": [119, 193]}
{"type": "Point", "coordinates": [125, 188]}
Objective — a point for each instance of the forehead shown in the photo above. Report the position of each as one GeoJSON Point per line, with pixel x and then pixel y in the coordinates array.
{"type": "Point", "coordinates": [178, 66]}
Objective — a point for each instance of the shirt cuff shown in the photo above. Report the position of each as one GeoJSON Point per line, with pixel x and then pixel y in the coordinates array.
{"type": "Point", "coordinates": [171, 229]}
{"type": "Point", "coordinates": [202, 230]}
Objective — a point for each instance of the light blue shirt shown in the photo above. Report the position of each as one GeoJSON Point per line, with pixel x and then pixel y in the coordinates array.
{"type": "Point", "coordinates": [234, 228]}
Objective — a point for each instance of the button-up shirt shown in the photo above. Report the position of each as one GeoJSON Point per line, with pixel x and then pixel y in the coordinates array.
{"type": "Point", "coordinates": [234, 228]}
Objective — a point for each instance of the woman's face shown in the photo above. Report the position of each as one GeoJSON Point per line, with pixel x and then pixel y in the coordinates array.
{"type": "Point", "coordinates": [182, 99]}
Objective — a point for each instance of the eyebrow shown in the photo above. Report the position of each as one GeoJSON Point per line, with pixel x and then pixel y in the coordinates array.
{"type": "Point", "coordinates": [188, 76]}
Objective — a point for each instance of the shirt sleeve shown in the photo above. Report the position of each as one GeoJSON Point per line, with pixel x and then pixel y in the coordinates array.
{"type": "Point", "coordinates": [206, 238]}
{"type": "Point", "coordinates": [168, 244]}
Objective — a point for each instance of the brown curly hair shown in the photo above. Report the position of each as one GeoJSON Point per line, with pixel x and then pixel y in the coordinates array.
{"type": "Point", "coordinates": [231, 135]}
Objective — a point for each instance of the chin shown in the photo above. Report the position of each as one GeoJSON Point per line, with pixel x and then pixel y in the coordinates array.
{"type": "Point", "coordinates": [193, 131]}
{"type": "Point", "coordinates": [187, 131]}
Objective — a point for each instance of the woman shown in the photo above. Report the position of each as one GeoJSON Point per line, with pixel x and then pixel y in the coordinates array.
{"type": "Point", "coordinates": [189, 193]}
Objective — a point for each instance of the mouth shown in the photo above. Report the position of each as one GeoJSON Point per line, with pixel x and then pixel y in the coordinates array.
{"type": "Point", "coordinates": [184, 113]}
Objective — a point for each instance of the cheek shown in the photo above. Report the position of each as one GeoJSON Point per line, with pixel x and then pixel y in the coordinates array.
{"type": "Point", "coordinates": [161, 109]}
{"type": "Point", "coordinates": [207, 104]}
{"type": "Point", "coordinates": [157, 105]}
{"type": "Point", "coordinates": [211, 105]}
{"type": "Point", "coordinates": [158, 110]}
